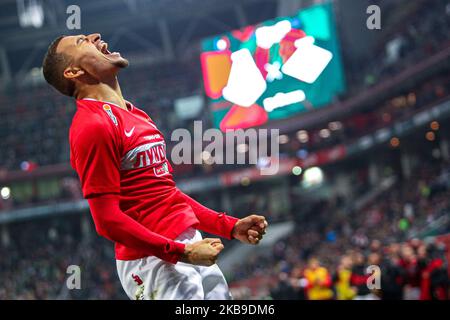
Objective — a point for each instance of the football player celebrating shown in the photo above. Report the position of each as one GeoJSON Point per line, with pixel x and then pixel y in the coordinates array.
{"type": "Point", "coordinates": [120, 157]}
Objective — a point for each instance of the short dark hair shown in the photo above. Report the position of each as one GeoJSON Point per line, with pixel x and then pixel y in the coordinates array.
{"type": "Point", "coordinates": [53, 68]}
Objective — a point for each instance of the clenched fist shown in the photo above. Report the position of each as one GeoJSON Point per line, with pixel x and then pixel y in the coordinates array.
{"type": "Point", "coordinates": [250, 229]}
{"type": "Point", "coordinates": [203, 253]}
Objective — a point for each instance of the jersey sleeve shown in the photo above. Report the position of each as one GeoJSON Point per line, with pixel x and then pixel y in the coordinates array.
{"type": "Point", "coordinates": [96, 158]}
{"type": "Point", "coordinates": [111, 223]}
{"type": "Point", "coordinates": [217, 223]}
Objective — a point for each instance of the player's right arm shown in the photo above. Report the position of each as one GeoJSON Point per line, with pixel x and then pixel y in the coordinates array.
{"type": "Point", "coordinates": [111, 223]}
{"type": "Point", "coordinates": [95, 152]}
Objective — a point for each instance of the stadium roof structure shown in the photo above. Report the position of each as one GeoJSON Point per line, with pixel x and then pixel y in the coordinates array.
{"type": "Point", "coordinates": [159, 30]}
{"type": "Point", "coordinates": [151, 32]}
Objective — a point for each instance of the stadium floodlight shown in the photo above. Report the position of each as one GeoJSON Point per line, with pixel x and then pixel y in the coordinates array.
{"type": "Point", "coordinates": [30, 13]}
{"type": "Point", "coordinates": [312, 177]}
{"type": "Point", "coordinates": [5, 193]}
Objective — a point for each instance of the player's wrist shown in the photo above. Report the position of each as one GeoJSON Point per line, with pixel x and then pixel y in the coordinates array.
{"type": "Point", "coordinates": [185, 256]}
{"type": "Point", "coordinates": [231, 224]}
{"type": "Point", "coordinates": [233, 232]}
{"type": "Point", "coordinates": [172, 251]}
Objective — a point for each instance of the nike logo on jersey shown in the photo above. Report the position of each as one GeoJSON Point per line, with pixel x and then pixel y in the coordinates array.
{"type": "Point", "coordinates": [129, 133]}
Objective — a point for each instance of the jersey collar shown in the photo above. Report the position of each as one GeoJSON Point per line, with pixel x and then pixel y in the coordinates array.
{"type": "Point", "coordinates": [130, 106]}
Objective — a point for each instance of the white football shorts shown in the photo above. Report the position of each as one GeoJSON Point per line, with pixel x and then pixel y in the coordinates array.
{"type": "Point", "coordinates": [151, 278]}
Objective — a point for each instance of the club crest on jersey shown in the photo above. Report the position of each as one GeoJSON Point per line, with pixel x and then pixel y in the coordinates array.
{"type": "Point", "coordinates": [108, 110]}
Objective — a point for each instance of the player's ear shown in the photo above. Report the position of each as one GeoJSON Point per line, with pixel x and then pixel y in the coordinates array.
{"type": "Point", "coordinates": [73, 72]}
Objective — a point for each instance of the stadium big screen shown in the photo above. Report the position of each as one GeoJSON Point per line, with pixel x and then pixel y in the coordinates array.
{"type": "Point", "coordinates": [273, 70]}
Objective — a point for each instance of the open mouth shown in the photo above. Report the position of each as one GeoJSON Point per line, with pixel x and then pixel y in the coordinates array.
{"type": "Point", "coordinates": [103, 48]}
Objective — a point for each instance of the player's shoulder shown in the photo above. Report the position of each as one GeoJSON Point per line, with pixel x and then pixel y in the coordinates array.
{"type": "Point", "coordinates": [92, 121]}
{"type": "Point", "coordinates": [94, 113]}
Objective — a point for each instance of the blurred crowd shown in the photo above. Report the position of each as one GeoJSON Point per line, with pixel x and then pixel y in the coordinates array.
{"type": "Point", "coordinates": [399, 107]}
{"type": "Point", "coordinates": [35, 261]}
{"type": "Point", "coordinates": [411, 271]}
{"type": "Point", "coordinates": [422, 34]}
{"type": "Point", "coordinates": [335, 243]}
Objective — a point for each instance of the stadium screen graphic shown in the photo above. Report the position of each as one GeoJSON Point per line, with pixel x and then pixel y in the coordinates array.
{"type": "Point", "coordinates": [273, 70]}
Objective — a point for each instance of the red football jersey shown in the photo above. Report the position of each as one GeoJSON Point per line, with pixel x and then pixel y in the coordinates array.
{"type": "Point", "coordinates": [117, 151]}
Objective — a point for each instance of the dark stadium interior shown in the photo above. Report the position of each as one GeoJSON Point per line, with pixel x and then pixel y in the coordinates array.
{"type": "Point", "coordinates": [383, 147]}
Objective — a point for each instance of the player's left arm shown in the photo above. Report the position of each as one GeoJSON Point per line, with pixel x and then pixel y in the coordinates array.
{"type": "Point", "coordinates": [247, 230]}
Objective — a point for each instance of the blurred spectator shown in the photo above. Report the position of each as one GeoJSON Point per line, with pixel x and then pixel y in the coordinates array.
{"type": "Point", "coordinates": [359, 277]}
{"type": "Point", "coordinates": [284, 289]}
{"type": "Point", "coordinates": [435, 282]}
{"type": "Point", "coordinates": [344, 290]}
{"type": "Point", "coordinates": [319, 281]}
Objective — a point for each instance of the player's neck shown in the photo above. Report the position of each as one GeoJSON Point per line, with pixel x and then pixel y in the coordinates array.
{"type": "Point", "coordinates": [102, 91]}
